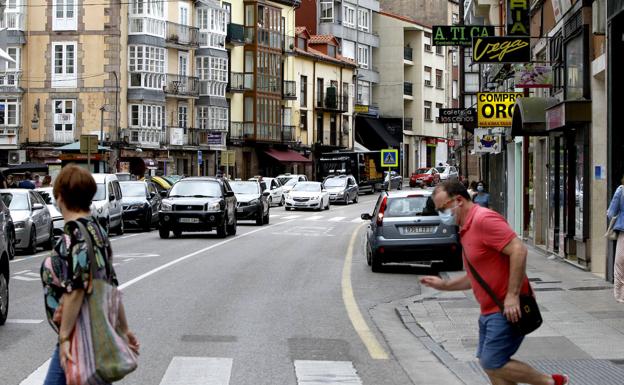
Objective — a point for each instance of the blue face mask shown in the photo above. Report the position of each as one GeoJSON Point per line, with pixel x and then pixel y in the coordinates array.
{"type": "Point", "coordinates": [479, 188]}
{"type": "Point", "coordinates": [447, 217]}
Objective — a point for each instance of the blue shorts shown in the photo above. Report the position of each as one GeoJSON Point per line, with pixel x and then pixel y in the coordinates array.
{"type": "Point", "coordinates": [497, 341]}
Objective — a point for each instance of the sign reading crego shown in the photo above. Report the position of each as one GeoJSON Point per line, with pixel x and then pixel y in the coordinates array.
{"type": "Point", "coordinates": [451, 35]}
{"type": "Point", "coordinates": [495, 109]}
{"type": "Point", "coordinates": [501, 49]}
{"type": "Point", "coordinates": [457, 115]}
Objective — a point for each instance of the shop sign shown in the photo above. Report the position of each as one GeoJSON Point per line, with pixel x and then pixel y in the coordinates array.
{"type": "Point", "coordinates": [555, 117]}
{"type": "Point", "coordinates": [457, 115]}
{"type": "Point", "coordinates": [459, 35]}
{"type": "Point", "coordinates": [495, 109]}
{"type": "Point", "coordinates": [518, 21]}
{"type": "Point", "coordinates": [430, 141]}
{"type": "Point", "coordinates": [177, 137]}
{"type": "Point", "coordinates": [215, 138]}
{"type": "Point", "coordinates": [88, 144]}
{"type": "Point", "coordinates": [501, 49]}
{"type": "Point", "coordinates": [532, 75]}
{"type": "Point", "coordinates": [360, 109]}
{"type": "Point", "coordinates": [486, 142]}
{"type": "Point", "coordinates": [228, 158]}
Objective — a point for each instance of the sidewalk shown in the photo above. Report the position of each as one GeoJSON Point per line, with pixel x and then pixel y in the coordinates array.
{"type": "Point", "coordinates": [582, 334]}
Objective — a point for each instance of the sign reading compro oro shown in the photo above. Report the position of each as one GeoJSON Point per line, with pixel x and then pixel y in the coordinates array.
{"type": "Point", "coordinates": [495, 109]}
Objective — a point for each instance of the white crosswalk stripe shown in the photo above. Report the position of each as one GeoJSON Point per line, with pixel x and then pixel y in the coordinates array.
{"type": "Point", "coordinates": [314, 218]}
{"type": "Point", "coordinates": [291, 217]}
{"type": "Point", "coordinates": [198, 371]}
{"type": "Point", "coordinates": [326, 373]}
{"type": "Point", "coordinates": [336, 219]}
{"type": "Point", "coordinates": [38, 376]}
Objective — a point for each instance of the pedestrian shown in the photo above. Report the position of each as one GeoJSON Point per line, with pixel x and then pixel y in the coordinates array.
{"type": "Point", "coordinates": [481, 197]}
{"type": "Point", "coordinates": [616, 208]}
{"type": "Point", "coordinates": [472, 190]}
{"type": "Point", "coordinates": [3, 181]}
{"type": "Point", "coordinates": [47, 181]}
{"type": "Point", "coordinates": [66, 273]}
{"type": "Point", "coordinates": [10, 180]}
{"type": "Point", "coordinates": [496, 252]}
{"type": "Point", "coordinates": [27, 181]}
{"type": "Point", "coordinates": [37, 180]}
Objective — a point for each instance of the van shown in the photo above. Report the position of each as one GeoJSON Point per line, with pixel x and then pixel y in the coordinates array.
{"type": "Point", "coordinates": [106, 206]}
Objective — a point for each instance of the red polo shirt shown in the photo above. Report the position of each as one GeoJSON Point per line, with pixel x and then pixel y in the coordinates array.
{"type": "Point", "coordinates": [484, 235]}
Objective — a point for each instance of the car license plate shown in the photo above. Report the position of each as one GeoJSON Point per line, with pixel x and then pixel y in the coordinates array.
{"type": "Point", "coordinates": [300, 204]}
{"type": "Point", "coordinates": [189, 220]}
{"type": "Point", "coordinates": [419, 229]}
{"type": "Point", "coordinates": [239, 210]}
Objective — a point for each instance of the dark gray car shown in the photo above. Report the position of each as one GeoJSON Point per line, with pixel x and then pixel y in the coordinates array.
{"type": "Point", "coordinates": [251, 201]}
{"type": "Point", "coordinates": [405, 228]}
{"type": "Point", "coordinates": [342, 189]}
{"type": "Point", "coordinates": [140, 202]}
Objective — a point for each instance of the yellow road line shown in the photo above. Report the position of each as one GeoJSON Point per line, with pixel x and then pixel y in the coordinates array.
{"type": "Point", "coordinates": [375, 349]}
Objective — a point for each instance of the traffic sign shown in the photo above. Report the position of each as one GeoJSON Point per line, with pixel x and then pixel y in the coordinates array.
{"type": "Point", "coordinates": [228, 158]}
{"type": "Point", "coordinates": [389, 158]}
{"type": "Point", "coordinates": [88, 144]}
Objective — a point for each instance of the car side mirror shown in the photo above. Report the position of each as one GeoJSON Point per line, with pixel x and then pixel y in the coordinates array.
{"type": "Point", "coordinates": [111, 197]}
{"type": "Point", "coordinates": [266, 193]}
{"type": "Point", "coordinates": [366, 216]}
{"type": "Point", "coordinates": [37, 206]}
{"type": "Point", "coordinates": [229, 194]}
{"type": "Point", "coordinates": [323, 190]}
{"type": "Point", "coordinates": [152, 195]}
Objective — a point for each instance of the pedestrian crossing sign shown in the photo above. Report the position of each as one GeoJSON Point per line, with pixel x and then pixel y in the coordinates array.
{"type": "Point", "coordinates": [389, 158]}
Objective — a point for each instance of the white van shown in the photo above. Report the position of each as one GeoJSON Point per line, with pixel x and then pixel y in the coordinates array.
{"type": "Point", "coordinates": [106, 205]}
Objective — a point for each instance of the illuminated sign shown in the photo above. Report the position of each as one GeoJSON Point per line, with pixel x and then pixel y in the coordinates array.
{"type": "Point", "coordinates": [501, 49]}
{"type": "Point", "coordinates": [495, 109]}
{"type": "Point", "coordinates": [451, 35]}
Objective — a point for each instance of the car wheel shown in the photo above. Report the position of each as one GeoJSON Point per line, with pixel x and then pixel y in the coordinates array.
{"type": "Point", "coordinates": [147, 225]}
{"type": "Point", "coordinates": [368, 254]}
{"type": "Point", "coordinates": [282, 201]}
{"type": "Point", "coordinates": [270, 201]}
{"type": "Point", "coordinates": [346, 200]}
{"type": "Point", "coordinates": [49, 245]}
{"type": "Point", "coordinates": [177, 233]}
{"type": "Point", "coordinates": [288, 208]}
{"type": "Point", "coordinates": [4, 299]}
{"type": "Point", "coordinates": [356, 198]}
{"type": "Point", "coordinates": [259, 219]}
{"type": "Point", "coordinates": [120, 228]}
{"type": "Point", "coordinates": [376, 265]}
{"type": "Point", "coordinates": [106, 226]}
{"type": "Point", "coordinates": [328, 205]}
{"type": "Point", "coordinates": [400, 186]}
{"type": "Point", "coordinates": [11, 243]}
{"type": "Point", "coordinates": [231, 229]}
{"type": "Point", "coordinates": [266, 218]}
{"type": "Point", "coordinates": [163, 232]}
{"type": "Point", "coordinates": [32, 244]}
{"type": "Point", "coordinates": [222, 229]}
{"type": "Point", "coordinates": [454, 263]}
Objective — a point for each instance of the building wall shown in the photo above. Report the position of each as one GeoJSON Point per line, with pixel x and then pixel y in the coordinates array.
{"type": "Point", "coordinates": [428, 12]}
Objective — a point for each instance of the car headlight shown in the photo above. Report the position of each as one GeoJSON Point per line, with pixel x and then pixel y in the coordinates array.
{"type": "Point", "coordinates": [214, 206]}
{"type": "Point", "coordinates": [165, 206]}
{"type": "Point", "coordinates": [254, 202]}
{"type": "Point", "coordinates": [135, 207]}
{"type": "Point", "coordinates": [340, 193]}
{"type": "Point", "coordinates": [19, 225]}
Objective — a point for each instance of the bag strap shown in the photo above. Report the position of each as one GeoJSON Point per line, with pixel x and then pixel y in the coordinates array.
{"type": "Point", "coordinates": [90, 253]}
{"type": "Point", "coordinates": [483, 284]}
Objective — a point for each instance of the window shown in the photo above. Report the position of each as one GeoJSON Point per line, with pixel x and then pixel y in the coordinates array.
{"type": "Point", "coordinates": [303, 121]}
{"type": "Point", "coordinates": [427, 41]}
{"type": "Point", "coordinates": [154, 9]}
{"type": "Point", "coordinates": [439, 79]}
{"type": "Point", "coordinates": [454, 57]}
{"type": "Point", "coordinates": [64, 120]}
{"type": "Point", "coordinates": [455, 89]}
{"type": "Point", "coordinates": [427, 76]}
{"type": "Point", "coordinates": [9, 112]}
{"type": "Point", "coordinates": [11, 76]}
{"type": "Point", "coordinates": [65, 15]}
{"type": "Point", "coordinates": [146, 123]}
{"type": "Point", "coordinates": [428, 111]}
{"type": "Point", "coordinates": [345, 93]}
{"type": "Point", "coordinates": [327, 10]}
{"type": "Point", "coordinates": [363, 20]}
{"type": "Point", "coordinates": [439, 50]}
{"type": "Point", "coordinates": [472, 82]}
{"type": "Point", "coordinates": [301, 43]}
{"type": "Point", "coordinates": [363, 56]}
{"type": "Point", "coordinates": [303, 91]}
{"type": "Point", "coordinates": [182, 116]}
{"type": "Point", "coordinates": [212, 24]}
{"type": "Point", "coordinates": [455, 19]}
{"type": "Point", "coordinates": [147, 66]}
{"type": "Point", "coordinates": [363, 93]}
{"type": "Point", "coordinates": [348, 18]}
{"type": "Point", "coordinates": [212, 118]}
{"type": "Point", "coordinates": [438, 106]}
{"type": "Point", "coordinates": [331, 50]}
{"type": "Point", "coordinates": [213, 75]}
{"type": "Point", "coordinates": [348, 49]}
{"type": "Point", "coordinates": [228, 10]}
{"type": "Point", "coordinates": [64, 68]}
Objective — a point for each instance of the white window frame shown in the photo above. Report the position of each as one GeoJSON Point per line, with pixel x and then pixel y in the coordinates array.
{"type": "Point", "coordinates": [151, 122]}
{"type": "Point", "coordinates": [182, 116]}
{"type": "Point", "coordinates": [427, 109]}
{"type": "Point", "coordinates": [10, 74]}
{"type": "Point", "coordinates": [363, 56]}
{"type": "Point", "coordinates": [64, 123]}
{"type": "Point", "coordinates": [348, 16]}
{"type": "Point", "coordinates": [363, 19]}
{"type": "Point", "coordinates": [427, 41]}
{"type": "Point", "coordinates": [212, 73]}
{"type": "Point", "coordinates": [67, 77]}
{"type": "Point", "coordinates": [147, 66]}
{"type": "Point", "coordinates": [183, 64]}
{"type": "Point", "coordinates": [363, 93]}
{"type": "Point", "coordinates": [427, 76]}
{"type": "Point", "coordinates": [60, 11]}
{"type": "Point", "coordinates": [327, 10]}
{"type": "Point", "coordinates": [10, 120]}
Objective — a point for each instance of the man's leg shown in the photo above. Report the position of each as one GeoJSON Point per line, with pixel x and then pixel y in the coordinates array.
{"type": "Point", "coordinates": [498, 381]}
{"type": "Point", "coordinates": [519, 372]}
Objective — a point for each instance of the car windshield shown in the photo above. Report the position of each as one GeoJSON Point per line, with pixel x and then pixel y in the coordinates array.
{"type": "Point", "coordinates": [441, 169]}
{"type": "Point", "coordinates": [307, 187]}
{"type": "Point", "coordinates": [290, 182]}
{"type": "Point", "coordinates": [196, 188]}
{"type": "Point", "coordinates": [100, 193]}
{"type": "Point", "coordinates": [335, 182]}
{"type": "Point", "coordinates": [15, 201]}
{"type": "Point", "coordinates": [245, 187]}
{"type": "Point", "coordinates": [132, 189]}
{"type": "Point", "coordinates": [423, 171]}
{"type": "Point", "coordinates": [410, 206]}
{"type": "Point", "coordinates": [47, 196]}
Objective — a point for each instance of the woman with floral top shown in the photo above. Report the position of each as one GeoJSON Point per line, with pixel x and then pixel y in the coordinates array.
{"type": "Point", "coordinates": [66, 274]}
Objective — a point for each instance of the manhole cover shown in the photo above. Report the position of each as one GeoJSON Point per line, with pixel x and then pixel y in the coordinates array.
{"type": "Point", "coordinates": [587, 288]}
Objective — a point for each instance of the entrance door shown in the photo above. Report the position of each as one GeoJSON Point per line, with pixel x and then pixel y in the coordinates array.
{"type": "Point", "coordinates": [182, 71]}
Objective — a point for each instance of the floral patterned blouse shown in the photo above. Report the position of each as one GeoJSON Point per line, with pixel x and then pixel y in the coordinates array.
{"type": "Point", "coordinates": [68, 268]}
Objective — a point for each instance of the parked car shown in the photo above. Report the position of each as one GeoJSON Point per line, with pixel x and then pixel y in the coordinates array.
{"type": "Point", "coordinates": [172, 179]}
{"type": "Point", "coordinates": [198, 204]}
{"type": "Point", "coordinates": [4, 270]}
{"type": "Point", "coordinates": [58, 223]}
{"type": "Point", "coordinates": [448, 172]}
{"type": "Point", "coordinates": [405, 228]}
{"type": "Point", "coordinates": [289, 180]}
{"type": "Point", "coordinates": [251, 201]}
{"type": "Point", "coordinates": [31, 218]}
{"type": "Point", "coordinates": [392, 179]}
{"type": "Point", "coordinates": [161, 183]}
{"type": "Point", "coordinates": [6, 225]}
{"type": "Point", "coordinates": [307, 195]}
{"type": "Point", "coordinates": [427, 176]}
{"type": "Point", "coordinates": [275, 188]}
{"type": "Point", "coordinates": [342, 188]}
{"type": "Point", "coordinates": [140, 203]}
{"type": "Point", "coordinates": [107, 207]}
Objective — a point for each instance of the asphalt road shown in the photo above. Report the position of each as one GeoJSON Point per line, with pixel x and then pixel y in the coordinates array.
{"type": "Point", "coordinates": [257, 307]}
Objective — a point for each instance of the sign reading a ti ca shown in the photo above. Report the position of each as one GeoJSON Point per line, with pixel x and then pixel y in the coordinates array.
{"type": "Point", "coordinates": [495, 109]}
{"type": "Point", "coordinates": [389, 158]}
{"type": "Point", "coordinates": [461, 35]}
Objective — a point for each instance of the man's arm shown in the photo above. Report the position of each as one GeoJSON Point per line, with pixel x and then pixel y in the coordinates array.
{"type": "Point", "coordinates": [517, 252]}
{"type": "Point", "coordinates": [454, 284]}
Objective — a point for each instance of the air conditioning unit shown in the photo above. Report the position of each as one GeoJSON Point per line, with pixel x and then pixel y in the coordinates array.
{"type": "Point", "coordinates": [17, 157]}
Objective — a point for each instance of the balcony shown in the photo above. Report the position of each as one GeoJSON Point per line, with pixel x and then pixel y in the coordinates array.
{"type": "Point", "coordinates": [407, 89]}
{"type": "Point", "coordinates": [289, 90]}
{"type": "Point", "coordinates": [9, 136]}
{"type": "Point", "coordinates": [240, 82]}
{"type": "Point", "coordinates": [241, 130]}
{"type": "Point", "coordinates": [13, 20]}
{"type": "Point", "coordinates": [181, 35]}
{"type": "Point", "coordinates": [332, 101]}
{"type": "Point", "coordinates": [63, 136]}
{"type": "Point", "coordinates": [408, 54]}
{"type": "Point", "coordinates": [408, 124]}
{"type": "Point", "coordinates": [147, 137]}
{"type": "Point", "coordinates": [144, 25]}
{"type": "Point", "coordinates": [288, 45]}
{"type": "Point", "coordinates": [10, 81]}
{"type": "Point", "coordinates": [177, 136]}
{"type": "Point", "coordinates": [288, 133]}
{"type": "Point", "coordinates": [182, 86]}
{"type": "Point", "coordinates": [235, 34]}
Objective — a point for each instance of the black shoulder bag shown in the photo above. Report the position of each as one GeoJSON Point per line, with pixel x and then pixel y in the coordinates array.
{"type": "Point", "coordinates": [530, 316]}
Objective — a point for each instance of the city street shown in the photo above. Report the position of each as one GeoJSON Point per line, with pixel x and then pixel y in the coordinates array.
{"type": "Point", "coordinates": [253, 308]}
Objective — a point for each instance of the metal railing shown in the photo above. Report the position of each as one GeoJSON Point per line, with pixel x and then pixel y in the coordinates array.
{"type": "Point", "coordinates": [407, 88]}
{"type": "Point", "coordinates": [12, 19]}
{"type": "Point", "coordinates": [288, 133]}
{"type": "Point", "coordinates": [147, 25]}
{"type": "Point", "coordinates": [182, 34]}
{"type": "Point", "coordinates": [240, 81]}
{"type": "Point", "coordinates": [408, 53]}
{"type": "Point", "coordinates": [10, 79]}
{"type": "Point", "coordinates": [289, 90]}
{"type": "Point", "coordinates": [336, 102]}
{"type": "Point", "coordinates": [235, 33]}
{"type": "Point", "coordinates": [182, 85]}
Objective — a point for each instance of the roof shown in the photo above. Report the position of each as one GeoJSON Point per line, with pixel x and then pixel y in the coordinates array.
{"type": "Point", "coordinates": [323, 39]}
{"type": "Point", "coordinates": [300, 30]}
{"type": "Point", "coordinates": [403, 18]}
{"type": "Point", "coordinates": [407, 193]}
{"type": "Point", "coordinates": [314, 54]}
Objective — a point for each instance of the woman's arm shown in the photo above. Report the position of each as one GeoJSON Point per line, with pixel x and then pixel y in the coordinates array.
{"type": "Point", "coordinates": [71, 308]}
{"type": "Point", "coordinates": [614, 206]}
{"type": "Point", "coordinates": [133, 342]}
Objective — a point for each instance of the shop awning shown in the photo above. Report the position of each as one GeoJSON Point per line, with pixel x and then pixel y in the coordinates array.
{"type": "Point", "coordinates": [373, 134]}
{"type": "Point", "coordinates": [567, 114]}
{"type": "Point", "coordinates": [287, 156]}
{"type": "Point", "coordinates": [529, 116]}
{"type": "Point", "coordinates": [75, 146]}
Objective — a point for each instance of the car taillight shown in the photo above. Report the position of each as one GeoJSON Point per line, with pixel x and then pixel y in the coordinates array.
{"type": "Point", "coordinates": [382, 209]}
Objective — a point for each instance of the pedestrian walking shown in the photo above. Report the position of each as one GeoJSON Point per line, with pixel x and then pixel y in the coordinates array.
{"type": "Point", "coordinates": [482, 198]}
{"type": "Point", "coordinates": [47, 181]}
{"type": "Point", "coordinates": [498, 256]}
{"type": "Point", "coordinates": [616, 208]}
{"type": "Point", "coordinates": [67, 273]}
{"type": "Point", "coordinates": [472, 190]}
{"type": "Point", "coordinates": [10, 180]}
{"type": "Point", "coordinates": [27, 181]}
{"type": "Point", "coordinates": [37, 180]}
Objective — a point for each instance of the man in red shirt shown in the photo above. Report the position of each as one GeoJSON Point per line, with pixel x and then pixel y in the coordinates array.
{"type": "Point", "coordinates": [499, 256]}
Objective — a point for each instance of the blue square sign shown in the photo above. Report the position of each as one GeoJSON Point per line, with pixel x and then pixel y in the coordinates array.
{"type": "Point", "coordinates": [389, 158]}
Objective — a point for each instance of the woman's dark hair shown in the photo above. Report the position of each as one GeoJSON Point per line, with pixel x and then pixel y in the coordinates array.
{"type": "Point", "coordinates": [482, 183]}
{"type": "Point", "coordinates": [473, 185]}
{"type": "Point", "coordinates": [76, 186]}
{"type": "Point", "coordinates": [453, 188]}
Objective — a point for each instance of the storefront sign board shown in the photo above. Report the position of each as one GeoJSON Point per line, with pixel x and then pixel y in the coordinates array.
{"type": "Point", "coordinates": [486, 142]}
{"type": "Point", "coordinates": [457, 115]}
{"type": "Point", "coordinates": [518, 20]}
{"type": "Point", "coordinates": [531, 75]}
{"type": "Point", "coordinates": [501, 49]}
{"type": "Point", "coordinates": [459, 35]}
{"type": "Point", "coordinates": [495, 109]}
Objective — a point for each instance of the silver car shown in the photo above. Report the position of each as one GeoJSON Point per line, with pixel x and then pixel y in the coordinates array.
{"type": "Point", "coordinates": [57, 218]}
{"type": "Point", "coordinates": [405, 228]}
{"type": "Point", "coordinates": [31, 218]}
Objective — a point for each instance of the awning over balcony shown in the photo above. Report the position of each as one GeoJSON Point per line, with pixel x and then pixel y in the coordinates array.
{"type": "Point", "coordinates": [288, 156]}
{"type": "Point", "coordinates": [211, 52]}
{"type": "Point", "coordinates": [529, 116]}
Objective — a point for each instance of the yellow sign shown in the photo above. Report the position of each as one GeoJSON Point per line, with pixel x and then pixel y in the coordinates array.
{"type": "Point", "coordinates": [360, 109]}
{"type": "Point", "coordinates": [389, 158]}
{"type": "Point", "coordinates": [228, 158]}
{"type": "Point", "coordinates": [495, 109]}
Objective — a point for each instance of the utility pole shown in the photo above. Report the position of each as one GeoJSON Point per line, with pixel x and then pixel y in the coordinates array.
{"type": "Point", "coordinates": [462, 86]}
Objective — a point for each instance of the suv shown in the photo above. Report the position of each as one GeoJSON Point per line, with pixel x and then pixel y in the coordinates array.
{"type": "Point", "coordinates": [198, 204]}
{"type": "Point", "coordinates": [107, 206]}
{"type": "Point", "coordinates": [342, 188]}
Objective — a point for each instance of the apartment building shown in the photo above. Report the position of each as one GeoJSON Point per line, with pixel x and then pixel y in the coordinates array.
{"type": "Point", "coordinates": [412, 88]}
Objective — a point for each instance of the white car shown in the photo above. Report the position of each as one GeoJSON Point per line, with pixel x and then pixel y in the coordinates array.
{"type": "Point", "coordinates": [447, 172]}
{"type": "Point", "coordinates": [276, 190]}
{"type": "Point", "coordinates": [289, 180]}
{"type": "Point", "coordinates": [57, 218]}
{"type": "Point", "coordinates": [307, 195]}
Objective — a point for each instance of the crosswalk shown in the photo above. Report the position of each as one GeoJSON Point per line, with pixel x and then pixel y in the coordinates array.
{"type": "Point", "coordinates": [316, 218]}
{"type": "Point", "coordinates": [218, 371]}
